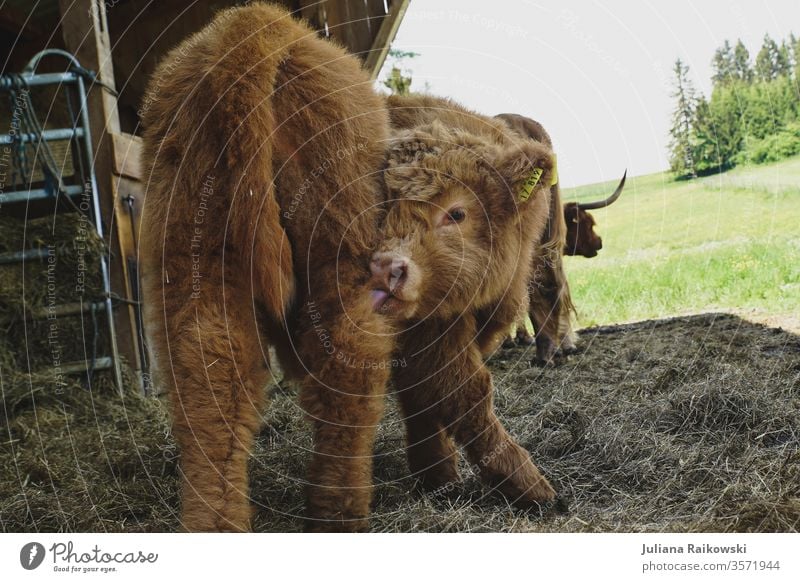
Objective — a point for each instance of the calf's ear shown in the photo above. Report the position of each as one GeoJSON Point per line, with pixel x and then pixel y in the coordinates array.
{"type": "Point", "coordinates": [524, 169]}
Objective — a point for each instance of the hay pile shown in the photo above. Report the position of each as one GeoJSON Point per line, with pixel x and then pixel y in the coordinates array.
{"type": "Point", "coordinates": [83, 460]}
{"type": "Point", "coordinates": [65, 445]}
{"type": "Point", "coordinates": [76, 249]}
{"type": "Point", "coordinates": [68, 273]}
{"type": "Point", "coordinates": [689, 424]}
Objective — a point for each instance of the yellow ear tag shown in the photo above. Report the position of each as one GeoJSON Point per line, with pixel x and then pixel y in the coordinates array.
{"type": "Point", "coordinates": [554, 178]}
{"type": "Point", "coordinates": [527, 187]}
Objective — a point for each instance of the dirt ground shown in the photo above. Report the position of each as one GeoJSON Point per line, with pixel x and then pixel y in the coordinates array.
{"type": "Point", "coordinates": [685, 424]}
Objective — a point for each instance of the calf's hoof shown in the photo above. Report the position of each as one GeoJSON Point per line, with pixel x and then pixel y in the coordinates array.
{"type": "Point", "coordinates": [568, 349]}
{"type": "Point", "coordinates": [524, 338]}
{"type": "Point", "coordinates": [210, 513]}
{"type": "Point", "coordinates": [214, 526]}
{"type": "Point", "coordinates": [514, 476]}
{"type": "Point", "coordinates": [438, 479]}
{"type": "Point", "coordinates": [546, 352]}
{"type": "Point", "coordinates": [550, 359]}
{"type": "Point", "coordinates": [553, 362]}
{"type": "Point", "coordinates": [526, 492]}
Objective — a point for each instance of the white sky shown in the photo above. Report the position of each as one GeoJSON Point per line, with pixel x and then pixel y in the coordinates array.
{"type": "Point", "coordinates": [596, 74]}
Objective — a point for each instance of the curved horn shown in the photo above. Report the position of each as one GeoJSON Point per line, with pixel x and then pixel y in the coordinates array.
{"type": "Point", "coordinates": [610, 200]}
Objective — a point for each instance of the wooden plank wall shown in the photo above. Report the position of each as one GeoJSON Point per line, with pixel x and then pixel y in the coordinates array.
{"type": "Point", "coordinates": [143, 31]}
{"type": "Point", "coordinates": [354, 24]}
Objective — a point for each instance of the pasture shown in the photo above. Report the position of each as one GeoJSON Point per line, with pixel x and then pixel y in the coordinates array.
{"type": "Point", "coordinates": [725, 242]}
{"type": "Point", "coordinates": [687, 423]}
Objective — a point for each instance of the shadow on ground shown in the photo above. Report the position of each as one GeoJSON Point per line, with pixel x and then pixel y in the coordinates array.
{"type": "Point", "coordinates": [686, 424]}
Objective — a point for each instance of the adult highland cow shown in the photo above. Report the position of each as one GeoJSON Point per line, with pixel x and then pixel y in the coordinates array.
{"type": "Point", "coordinates": [263, 145]}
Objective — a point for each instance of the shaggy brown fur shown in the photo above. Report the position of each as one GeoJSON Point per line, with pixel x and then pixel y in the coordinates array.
{"type": "Point", "coordinates": [579, 239]}
{"type": "Point", "coordinates": [549, 303]}
{"type": "Point", "coordinates": [551, 306]}
{"type": "Point", "coordinates": [263, 145]}
{"type": "Point", "coordinates": [453, 267]}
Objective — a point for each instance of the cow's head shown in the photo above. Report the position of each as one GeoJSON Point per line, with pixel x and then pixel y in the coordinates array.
{"type": "Point", "coordinates": [459, 208]}
{"type": "Point", "coordinates": [581, 238]}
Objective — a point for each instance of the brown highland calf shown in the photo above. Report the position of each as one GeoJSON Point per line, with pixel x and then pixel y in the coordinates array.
{"type": "Point", "coordinates": [264, 146]}
{"type": "Point", "coordinates": [570, 231]}
{"type": "Point", "coordinates": [467, 200]}
{"type": "Point", "coordinates": [551, 306]}
{"type": "Point", "coordinates": [549, 302]}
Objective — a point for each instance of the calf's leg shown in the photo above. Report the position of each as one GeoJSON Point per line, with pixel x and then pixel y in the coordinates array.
{"type": "Point", "coordinates": [503, 465]}
{"type": "Point", "coordinates": [432, 456]}
{"type": "Point", "coordinates": [345, 348]}
{"type": "Point", "coordinates": [218, 375]}
{"type": "Point", "coordinates": [522, 337]}
{"type": "Point", "coordinates": [545, 313]}
{"type": "Point", "coordinates": [451, 382]}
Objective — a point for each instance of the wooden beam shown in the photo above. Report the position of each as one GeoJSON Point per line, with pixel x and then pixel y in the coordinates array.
{"type": "Point", "coordinates": [142, 32]}
{"type": "Point", "coordinates": [85, 32]}
{"type": "Point", "coordinates": [348, 23]}
{"type": "Point", "coordinates": [357, 15]}
{"type": "Point", "coordinates": [127, 155]}
{"type": "Point", "coordinates": [385, 37]}
{"type": "Point", "coordinates": [311, 11]}
{"type": "Point", "coordinates": [129, 196]}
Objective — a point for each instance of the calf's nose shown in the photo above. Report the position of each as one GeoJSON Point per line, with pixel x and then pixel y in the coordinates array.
{"type": "Point", "coordinates": [599, 243]}
{"type": "Point", "coordinates": [389, 270]}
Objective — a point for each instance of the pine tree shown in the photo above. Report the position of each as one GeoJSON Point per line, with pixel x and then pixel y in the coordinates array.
{"type": "Point", "coordinates": [767, 60]}
{"type": "Point", "coordinates": [705, 146]}
{"type": "Point", "coordinates": [783, 64]}
{"type": "Point", "coordinates": [794, 52]}
{"type": "Point", "coordinates": [743, 121]}
{"type": "Point", "coordinates": [723, 64]}
{"type": "Point", "coordinates": [794, 46]}
{"type": "Point", "coordinates": [728, 122]}
{"type": "Point", "coordinates": [397, 82]}
{"type": "Point", "coordinates": [741, 63]}
{"type": "Point", "coordinates": [681, 156]}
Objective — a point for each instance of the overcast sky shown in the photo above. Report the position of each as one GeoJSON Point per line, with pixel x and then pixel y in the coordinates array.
{"type": "Point", "coordinates": [596, 74]}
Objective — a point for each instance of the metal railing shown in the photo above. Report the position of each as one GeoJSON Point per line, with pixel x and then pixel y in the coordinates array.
{"type": "Point", "coordinates": [79, 134]}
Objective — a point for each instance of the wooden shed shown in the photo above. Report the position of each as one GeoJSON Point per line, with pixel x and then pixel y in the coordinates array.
{"type": "Point", "coordinates": [121, 41]}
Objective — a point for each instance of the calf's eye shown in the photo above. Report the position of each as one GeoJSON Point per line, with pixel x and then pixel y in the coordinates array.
{"type": "Point", "coordinates": [454, 216]}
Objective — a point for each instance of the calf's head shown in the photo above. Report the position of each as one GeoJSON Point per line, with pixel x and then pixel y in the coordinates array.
{"type": "Point", "coordinates": [581, 238]}
{"type": "Point", "coordinates": [460, 212]}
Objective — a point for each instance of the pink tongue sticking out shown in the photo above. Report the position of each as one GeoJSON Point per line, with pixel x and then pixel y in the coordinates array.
{"type": "Point", "coordinates": [379, 297]}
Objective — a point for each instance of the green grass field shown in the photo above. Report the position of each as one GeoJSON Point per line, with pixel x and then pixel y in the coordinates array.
{"type": "Point", "coordinates": [724, 242]}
